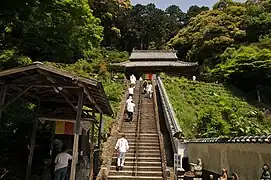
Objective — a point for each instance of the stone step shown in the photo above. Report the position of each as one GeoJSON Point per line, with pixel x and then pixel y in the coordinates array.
{"type": "Point", "coordinates": [148, 131]}
{"type": "Point", "coordinates": [144, 144]}
{"type": "Point", "coordinates": [153, 150]}
{"type": "Point", "coordinates": [135, 177]}
{"type": "Point", "coordinates": [143, 140]}
{"type": "Point", "coordinates": [143, 154]}
{"type": "Point", "coordinates": [148, 159]}
{"type": "Point", "coordinates": [140, 168]}
{"type": "Point", "coordinates": [141, 159]}
{"type": "Point", "coordinates": [149, 135]}
{"type": "Point", "coordinates": [124, 172]}
{"type": "Point", "coordinates": [144, 147]}
{"type": "Point", "coordinates": [139, 163]}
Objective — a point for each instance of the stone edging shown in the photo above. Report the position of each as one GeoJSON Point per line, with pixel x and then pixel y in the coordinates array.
{"type": "Point", "coordinates": [109, 145]}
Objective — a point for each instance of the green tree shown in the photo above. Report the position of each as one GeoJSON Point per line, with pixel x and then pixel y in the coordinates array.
{"type": "Point", "coordinates": [245, 67]}
{"type": "Point", "coordinates": [176, 20]}
{"type": "Point", "coordinates": [113, 14]}
{"type": "Point", "coordinates": [193, 11]}
{"type": "Point", "coordinates": [208, 34]}
{"type": "Point", "coordinates": [58, 30]}
{"type": "Point", "coordinates": [258, 20]}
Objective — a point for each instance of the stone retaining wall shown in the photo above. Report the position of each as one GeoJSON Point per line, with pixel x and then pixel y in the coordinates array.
{"type": "Point", "coordinates": [244, 159]}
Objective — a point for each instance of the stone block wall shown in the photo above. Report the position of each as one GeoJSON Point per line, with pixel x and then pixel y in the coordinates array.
{"type": "Point", "coordinates": [245, 159]}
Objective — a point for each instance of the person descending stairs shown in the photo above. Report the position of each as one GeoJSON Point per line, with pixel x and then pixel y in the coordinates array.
{"type": "Point", "coordinates": [143, 159]}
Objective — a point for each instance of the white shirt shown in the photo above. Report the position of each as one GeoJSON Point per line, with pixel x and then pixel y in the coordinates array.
{"type": "Point", "coordinates": [62, 160]}
{"type": "Point", "coordinates": [133, 81]}
{"type": "Point", "coordinates": [122, 145]}
{"type": "Point", "coordinates": [130, 107]}
{"type": "Point", "coordinates": [149, 87]}
{"type": "Point", "coordinates": [131, 90]}
{"type": "Point", "coordinates": [194, 78]}
{"type": "Point", "coordinates": [132, 77]}
{"type": "Point", "coordinates": [128, 101]}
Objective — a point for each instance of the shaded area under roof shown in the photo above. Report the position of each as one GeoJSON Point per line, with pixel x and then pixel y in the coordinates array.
{"type": "Point", "coordinates": [51, 86]}
{"type": "Point", "coordinates": [155, 64]}
{"type": "Point", "coordinates": [153, 55]}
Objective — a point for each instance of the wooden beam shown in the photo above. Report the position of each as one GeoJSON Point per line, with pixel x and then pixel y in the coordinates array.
{"type": "Point", "coordinates": [76, 134]}
{"type": "Point", "coordinates": [3, 91]}
{"type": "Point", "coordinates": [49, 77]}
{"type": "Point", "coordinates": [92, 100]}
{"type": "Point", "coordinates": [66, 120]}
{"type": "Point", "coordinates": [31, 152]}
{"type": "Point", "coordinates": [43, 86]}
{"type": "Point", "coordinates": [16, 70]}
{"type": "Point", "coordinates": [2, 82]}
{"type": "Point", "coordinates": [41, 92]}
{"type": "Point", "coordinates": [15, 98]}
{"type": "Point", "coordinates": [68, 101]}
{"type": "Point", "coordinates": [44, 99]}
{"type": "Point", "coordinates": [26, 93]}
{"type": "Point", "coordinates": [56, 85]}
{"type": "Point", "coordinates": [17, 80]}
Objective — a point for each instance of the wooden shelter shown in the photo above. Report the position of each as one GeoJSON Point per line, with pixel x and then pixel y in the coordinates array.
{"type": "Point", "coordinates": [60, 96]}
{"type": "Point", "coordinates": [155, 61]}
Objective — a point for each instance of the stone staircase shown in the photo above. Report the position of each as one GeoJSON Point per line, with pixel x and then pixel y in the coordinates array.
{"type": "Point", "coordinates": [146, 162]}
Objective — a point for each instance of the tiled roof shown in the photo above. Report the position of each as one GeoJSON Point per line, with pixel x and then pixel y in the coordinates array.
{"type": "Point", "coordinates": [242, 139]}
{"type": "Point", "coordinates": [155, 64]}
{"type": "Point", "coordinates": [153, 54]}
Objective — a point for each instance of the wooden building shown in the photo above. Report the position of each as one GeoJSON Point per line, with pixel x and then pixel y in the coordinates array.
{"type": "Point", "coordinates": [142, 62]}
{"type": "Point", "coordinates": [60, 97]}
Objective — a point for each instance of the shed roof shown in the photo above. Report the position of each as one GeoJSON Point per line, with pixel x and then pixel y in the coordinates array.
{"type": "Point", "coordinates": [156, 64]}
{"type": "Point", "coordinates": [153, 55]}
{"type": "Point", "coordinates": [49, 85]}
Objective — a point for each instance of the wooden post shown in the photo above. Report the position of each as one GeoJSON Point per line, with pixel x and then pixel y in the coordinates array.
{"type": "Point", "coordinates": [100, 130]}
{"type": "Point", "coordinates": [31, 152]}
{"type": "Point", "coordinates": [52, 138]}
{"type": "Point", "coordinates": [3, 91]}
{"type": "Point", "coordinates": [76, 134]}
{"type": "Point", "coordinates": [258, 93]}
{"type": "Point", "coordinates": [91, 146]}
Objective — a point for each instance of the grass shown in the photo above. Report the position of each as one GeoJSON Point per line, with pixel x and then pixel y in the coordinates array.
{"type": "Point", "coordinates": [210, 110]}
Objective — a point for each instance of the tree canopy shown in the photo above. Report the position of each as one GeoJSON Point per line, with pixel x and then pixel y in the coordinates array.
{"type": "Point", "coordinates": [53, 30]}
{"type": "Point", "coordinates": [231, 42]}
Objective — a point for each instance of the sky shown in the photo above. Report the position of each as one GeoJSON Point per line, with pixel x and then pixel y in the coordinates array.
{"type": "Point", "coordinates": [183, 4]}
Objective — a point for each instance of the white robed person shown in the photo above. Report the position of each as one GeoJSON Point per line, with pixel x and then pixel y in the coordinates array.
{"type": "Point", "coordinates": [129, 100]}
{"type": "Point", "coordinates": [133, 79]}
{"type": "Point", "coordinates": [149, 90]}
{"type": "Point", "coordinates": [121, 147]}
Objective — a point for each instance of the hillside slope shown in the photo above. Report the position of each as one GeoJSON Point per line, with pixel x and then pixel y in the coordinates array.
{"type": "Point", "coordinates": [210, 110]}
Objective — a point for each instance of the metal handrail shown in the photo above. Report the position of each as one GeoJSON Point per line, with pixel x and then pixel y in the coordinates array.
{"type": "Point", "coordinates": [170, 119]}
{"type": "Point", "coordinates": [160, 136]}
{"type": "Point", "coordinates": [138, 129]}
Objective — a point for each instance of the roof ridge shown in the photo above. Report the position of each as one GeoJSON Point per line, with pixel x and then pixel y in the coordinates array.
{"type": "Point", "coordinates": [168, 51]}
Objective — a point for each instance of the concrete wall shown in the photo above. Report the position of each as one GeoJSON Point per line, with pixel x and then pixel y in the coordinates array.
{"type": "Point", "coordinates": [244, 159]}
